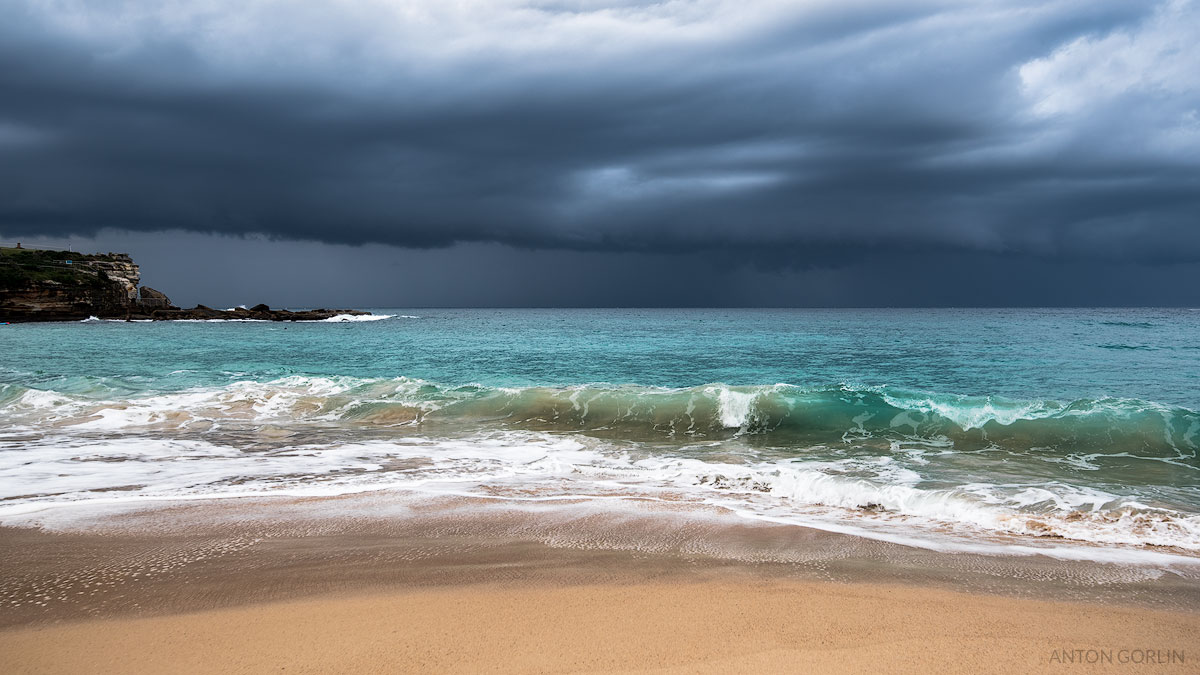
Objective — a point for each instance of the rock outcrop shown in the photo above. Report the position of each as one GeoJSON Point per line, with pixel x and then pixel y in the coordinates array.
{"type": "Point", "coordinates": [150, 300]}
{"type": "Point", "coordinates": [37, 285]}
{"type": "Point", "coordinates": [56, 301]}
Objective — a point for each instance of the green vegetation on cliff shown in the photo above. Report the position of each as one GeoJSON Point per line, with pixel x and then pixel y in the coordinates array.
{"type": "Point", "coordinates": [22, 268]}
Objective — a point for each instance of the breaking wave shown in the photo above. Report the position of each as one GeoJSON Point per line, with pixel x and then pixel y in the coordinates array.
{"type": "Point", "coordinates": [1106, 471]}
{"type": "Point", "coordinates": [771, 414]}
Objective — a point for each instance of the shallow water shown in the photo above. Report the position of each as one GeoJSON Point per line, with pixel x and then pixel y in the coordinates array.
{"type": "Point", "coordinates": [1068, 432]}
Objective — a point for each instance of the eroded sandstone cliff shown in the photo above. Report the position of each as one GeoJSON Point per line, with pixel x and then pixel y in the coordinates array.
{"type": "Point", "coordinates": [37, 285]}
{"type": "Point", "coordinates": [58, 285]}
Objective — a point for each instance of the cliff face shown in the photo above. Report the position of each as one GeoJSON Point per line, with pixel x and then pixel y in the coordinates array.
{"type": "Point", "coordinates": [52, 301]}
{"type": "Point", "coordinates": [121, 271]}
{"type": "Point", "coordinates": [61, 285]}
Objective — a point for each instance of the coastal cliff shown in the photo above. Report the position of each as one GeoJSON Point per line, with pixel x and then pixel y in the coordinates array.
{"type": "Point", "coordinates": [41, 285]}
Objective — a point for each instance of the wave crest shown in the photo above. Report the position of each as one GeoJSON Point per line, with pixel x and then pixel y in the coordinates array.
{"type": "Point", "coordinates": [778, 414]}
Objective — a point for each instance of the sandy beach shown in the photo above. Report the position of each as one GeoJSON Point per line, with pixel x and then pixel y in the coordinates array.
{"type": "Point", "coordinates": [222, 588]}
{"type": "Point", "coordinates": [676, 627]}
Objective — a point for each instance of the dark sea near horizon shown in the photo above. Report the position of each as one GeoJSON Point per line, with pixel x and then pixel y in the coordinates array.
{"type": "Point", "coordinates": [1072, 433]}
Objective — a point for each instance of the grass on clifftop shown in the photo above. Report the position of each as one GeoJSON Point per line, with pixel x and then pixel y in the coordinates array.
{"type": "Point", "coordinates": [22, 268]}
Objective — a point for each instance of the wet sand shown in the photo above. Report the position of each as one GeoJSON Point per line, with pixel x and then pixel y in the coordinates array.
{"type": "Point", "coordinates": [302, 587]}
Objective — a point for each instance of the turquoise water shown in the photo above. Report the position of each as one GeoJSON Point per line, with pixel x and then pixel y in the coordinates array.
{"type": "Point", "coordinates": [1022, 354]}
{"type": "Point", "coordinates": [1043, 428]}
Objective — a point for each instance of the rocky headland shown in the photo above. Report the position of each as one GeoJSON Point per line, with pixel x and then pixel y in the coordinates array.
{"type": "Point", "coordinates": [42, 285]}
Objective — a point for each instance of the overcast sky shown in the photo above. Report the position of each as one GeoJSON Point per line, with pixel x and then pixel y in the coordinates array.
{"type": "Point", "coordinates": [591, 152]}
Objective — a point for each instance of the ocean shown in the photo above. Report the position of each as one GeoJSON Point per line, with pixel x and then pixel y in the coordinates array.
{"type": "Point", "coordinates": [1071, 433]}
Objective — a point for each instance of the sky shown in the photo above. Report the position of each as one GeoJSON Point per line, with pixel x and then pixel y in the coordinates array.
{"type": "Point", "coordinates": [379, 153]}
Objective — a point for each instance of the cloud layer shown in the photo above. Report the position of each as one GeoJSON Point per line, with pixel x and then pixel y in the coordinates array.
{"type": "Point", "coordinates": [780, 134]}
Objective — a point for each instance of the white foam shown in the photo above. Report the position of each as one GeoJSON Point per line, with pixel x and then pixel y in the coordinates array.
{"type": "Point", "coordinates": [734, 407]}
{"type": "Point", "coordinates": [39, 399]}
{"type": "Point", "coordinates": [873, 497]}
{"type": "Point", "coordinates": [286, 399]}
{"type": "Point", "coordinates": [969, 413]}
{"type": "Point", "coordinates": [352, 318]}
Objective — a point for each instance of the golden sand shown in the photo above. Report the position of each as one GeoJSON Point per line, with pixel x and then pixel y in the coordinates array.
{"type": "Point", "coordinates": [653, 627]}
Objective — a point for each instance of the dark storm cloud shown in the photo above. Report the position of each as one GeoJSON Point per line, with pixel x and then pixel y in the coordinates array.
{"type": "Point", "coordinates": [223, 271]}
{"type": "Point", "coordinates": [780, 134]}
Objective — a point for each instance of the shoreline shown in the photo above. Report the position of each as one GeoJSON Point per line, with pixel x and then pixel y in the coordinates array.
{"type": "Point", "coordinates": [458, 585]}
{"type": "Point", "coordinates": [81, 553]}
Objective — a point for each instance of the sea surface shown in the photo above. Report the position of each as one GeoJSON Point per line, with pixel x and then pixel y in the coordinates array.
{"type": "Point", "coordinates": [1067, 432]}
